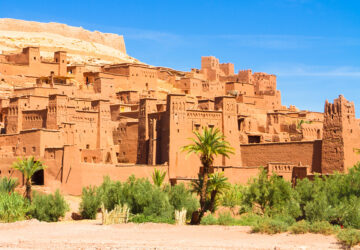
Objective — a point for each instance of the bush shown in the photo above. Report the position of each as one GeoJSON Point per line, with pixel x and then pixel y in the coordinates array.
{"type": "Point", "coordinates": [8, 185]}
{"type": "Point", "coordinates": [141, 218]}
{"type": "Point", "coordinates": [333, 198]}
{"type": "Point", "coordinates": [90, 203]}
{"type": "Point", "coordinates": [159, 206]}
{"type": "Point", "coordinates": [249, 219]}
{"type": "Point", "coordinates": [48, 207]}
{"type": "Point", "coordinates": [270, 226]}
{"type": "Point", "coordinates": [111, 193]}
{"type": "Point", "coordinates": [145, 198]}
{"type": "Point", "coordinates": [13, 207]}
{"type": "Point", "coordinates": [300, 227]}
{"type": "Point", "coordinates": [180, 197]}
{"type": "Point", "coordinates": [349, 237]}
{"type": "Point", "coordinates": [272, 196]}
{"type": "Point", "coordinates": [321, 227]}
{"type": "Point", "coordinates": [209, 220]}
{"type": "Point", "coordinates": [232, 197]}
{"type": "Point", "coordinates": [226, 219]}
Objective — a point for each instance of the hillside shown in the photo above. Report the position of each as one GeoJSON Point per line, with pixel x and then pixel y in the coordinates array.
{"type": "Point", "coordinates": [83, 46]}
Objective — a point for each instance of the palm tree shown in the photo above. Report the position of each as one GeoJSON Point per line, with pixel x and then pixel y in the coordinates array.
{"type": "Point", "coordinates": [218, 184]}
{"type": "Point", "coordinates": [158, 177]}
{"type": "Point", "coordinates": [28, 167]}
{"type": "Point", "coordinates": [207, 145]}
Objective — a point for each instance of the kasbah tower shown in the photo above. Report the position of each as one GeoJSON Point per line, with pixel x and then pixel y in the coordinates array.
{"type": "Point", "coordinates": [88, 120]}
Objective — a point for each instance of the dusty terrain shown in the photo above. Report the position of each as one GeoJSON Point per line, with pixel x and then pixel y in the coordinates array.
{"type": "Point", "coordinates": [92, 235]}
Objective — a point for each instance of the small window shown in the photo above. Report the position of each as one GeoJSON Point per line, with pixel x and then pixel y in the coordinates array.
{"type": "Point", "coordinates": [87, 146]}
{"type": "Point", "coordinates": [24, 149]}
{"type": "Point", "coordinates": [85, 159]}
{"type": "Point", "coordinates": [33, 149]}
{"type": "Point", "coordinates": [35, 58]}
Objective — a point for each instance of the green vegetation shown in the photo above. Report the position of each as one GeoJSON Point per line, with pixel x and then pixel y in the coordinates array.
{"type": "Point", "coordinates": [158, 177]}
{"type": "Point", "coordinates": [8, 185]}
{"type": "Point", "coordinates": [147, 202]}
{"type": "Point", "coordinates": [13, 207]}
{"type": "Point", "coordinates": [232, 197]}
{"type": "Point", "coordinates": [322, 227]}
{"type": "Point", "coordinates": [207, 145]}
{"type": "Point", "coordinates": [90, 203]}
{"type": "Point", "coordinates": [349, 237]}
{"type": "Point", "coordinates": [209, 220]}
{"type": "Point", "coordinates": [28, 167]}
{"type": "Point", "coordinates": [48, 207]}
{"type": "Point", "coordinates": [300, 227]}
{"type": "Point", "coordinates": [269, 204]}
{"type": "Point", "coordinates": [270, 226]}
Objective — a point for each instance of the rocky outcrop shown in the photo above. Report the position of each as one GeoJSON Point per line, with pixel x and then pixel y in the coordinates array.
{"type": "Point", "coordinates": [108, 39]}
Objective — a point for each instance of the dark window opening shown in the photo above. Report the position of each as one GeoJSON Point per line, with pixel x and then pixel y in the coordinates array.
{"type": "Point", "coordinates": [240, 123]}
{"type": "Point", "coordinates": [253, 139]}
{"type": "Point", "coordinates": [38, 178]}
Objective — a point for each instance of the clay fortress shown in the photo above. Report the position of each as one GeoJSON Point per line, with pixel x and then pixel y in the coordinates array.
{"type": "Point", "coordinates": [87, 113]}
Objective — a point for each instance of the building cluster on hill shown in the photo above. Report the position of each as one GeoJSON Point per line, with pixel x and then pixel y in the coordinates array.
{"type": "Point", "coordinates": [89, 121]}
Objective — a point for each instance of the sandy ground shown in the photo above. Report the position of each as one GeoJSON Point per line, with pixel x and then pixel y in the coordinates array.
{"type": "Point", "coordinates": [91, 235]}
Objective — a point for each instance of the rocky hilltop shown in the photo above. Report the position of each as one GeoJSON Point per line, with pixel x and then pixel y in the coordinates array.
{"type": "Point", "coordinates": [83, 46]}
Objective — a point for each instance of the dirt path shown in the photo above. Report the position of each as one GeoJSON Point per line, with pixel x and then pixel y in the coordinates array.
{"type": "Point", "coordinates": [92, 235]}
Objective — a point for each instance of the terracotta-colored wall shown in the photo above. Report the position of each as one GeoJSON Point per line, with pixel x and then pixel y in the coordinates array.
{"type": "Point", "coordinates": [306, 153]}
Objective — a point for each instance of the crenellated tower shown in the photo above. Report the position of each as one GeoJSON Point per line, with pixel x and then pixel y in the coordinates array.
{"type": "Point", "coordinates": [340, 136]}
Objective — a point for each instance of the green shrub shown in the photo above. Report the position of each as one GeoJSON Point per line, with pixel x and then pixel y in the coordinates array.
{"type": "Point", "coordinates": [141, 218]}
{"type": "Point", "coordinates": [111, 193]}
{"type": "Point", "coordinates": [159, 206]}
{"type": "Point", "coordinates": [249, 219]}
{"type": "Point", "coordinates": [321, 227]}
{"type": "Point", "coordinates": [209, 220]}
{"type": "Point", "coordinates": [145, 198]}
{"type": "Point", "coordinates": [333, 198]}
{"type": "Point", "coordinates": [272, 195]}
{"type": "Point", "coordinates": [270, 226]}
{"type": "Point", "coordinates": [13, 207]}
{"type": "Point", "coordinates": [233, 196]}
{"type": "Point", "coordinates": [90, 203]}
{"type": "Point", "coordinates": [226, 219]}
{"type": "Point", "coordinates": [180, 197]}
{"type": "Point", "coordinates": [300, 227]}
{"type": "Point", "coordinates": [349, 237]}
{"type": "Point", "coordinates": [8, 185]}
{"type": "Point", "coordinates": [48, 207]}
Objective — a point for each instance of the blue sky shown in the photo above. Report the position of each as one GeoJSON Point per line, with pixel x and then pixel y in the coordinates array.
{"type": "Point", "coordinates": [312, 46]}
